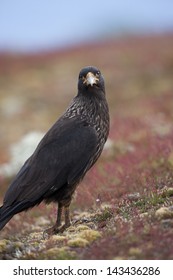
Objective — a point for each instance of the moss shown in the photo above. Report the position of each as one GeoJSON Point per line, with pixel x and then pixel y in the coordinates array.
{"type": "Point", "coordinates": [77, 242]}
{"type": "Point", "coordinates": [82, 227]}
{"type": "Point", "coordinates": [62, 253]}
{"type": "Point", "coordinates": [3, 244]}
{"type": "Point", "coordinates": [18, 245]}
{"type": "Point", "coordinates": [170, 159]}
{"type": "Point", "coordinates": [135, 252]}
{"type": "Point", "coordinates": [120, 258]}
{"type": "Point", "coordinates": [90, 235]}
{"type": "Point", "coordinates": [30, 256]}
{"type": "Point", "coordinates": [35, 236]}
{"type": "Point", "coordinates": [167, 192]}
{"type": "Point", "coordinates": [71, 229]}
{"type": "Point", "coordinates": [132, 238]}
{"type": "Point", "coordinates": [57, 238]}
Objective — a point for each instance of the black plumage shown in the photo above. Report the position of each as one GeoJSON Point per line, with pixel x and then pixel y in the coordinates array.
{"type": "Point", "coordinates": [64, 155]}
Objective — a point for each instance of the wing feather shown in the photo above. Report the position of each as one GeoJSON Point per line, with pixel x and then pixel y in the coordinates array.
{"type": "Point", "coordinates": [61, 158]}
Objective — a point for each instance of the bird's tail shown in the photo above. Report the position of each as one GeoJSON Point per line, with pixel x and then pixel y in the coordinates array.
{"type": "Point", "coordinates": [5, 216]}
{"type": "Point", "coordinates": [7, 212]}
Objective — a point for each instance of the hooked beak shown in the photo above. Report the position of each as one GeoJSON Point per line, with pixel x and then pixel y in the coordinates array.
{"type": "Point", "coordinates": [90, 79]}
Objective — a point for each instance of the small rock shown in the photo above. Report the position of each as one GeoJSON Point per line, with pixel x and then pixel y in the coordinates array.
{"type": "Point", "coordinates": [144, 215]}
{"type": "Point", "coordinates": [134, 196]}
{"type": "Point", "coordinates": [164, 213]}
{"type": "Point", "coordinates": [170, 191]}
{"type": "Point", "coordinates": [168, 223]}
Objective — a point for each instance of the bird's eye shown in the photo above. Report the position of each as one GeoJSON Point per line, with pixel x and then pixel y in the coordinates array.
{"type": "Point", "coordinates": [81, 77]}
{"type": "Point", "coordinates": [98, 73]}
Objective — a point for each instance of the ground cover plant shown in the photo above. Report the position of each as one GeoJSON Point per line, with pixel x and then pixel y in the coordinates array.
{"type": "Point", "coordinates": [123, 209]}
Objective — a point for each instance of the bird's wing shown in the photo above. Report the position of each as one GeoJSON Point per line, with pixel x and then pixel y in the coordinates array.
{"type": "Point", "coordinates": [61, 157]}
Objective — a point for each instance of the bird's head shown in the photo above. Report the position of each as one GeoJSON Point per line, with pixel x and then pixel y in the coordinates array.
{"type": "Point", "coordinates": [90, 78]}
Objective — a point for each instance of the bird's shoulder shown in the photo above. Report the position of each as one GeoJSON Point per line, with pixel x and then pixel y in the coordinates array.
{"type": "Point", "coordinates": [67, 131]}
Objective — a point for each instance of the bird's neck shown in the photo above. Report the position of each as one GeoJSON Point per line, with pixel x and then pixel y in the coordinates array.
{"type": "Point", "coordinates": [91, 109]}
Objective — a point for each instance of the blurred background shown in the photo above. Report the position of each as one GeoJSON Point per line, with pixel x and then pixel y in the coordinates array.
{"type": "Point", "coordinates": [38, 25]}
{"type": "Point", "coordinates": [43, 46]}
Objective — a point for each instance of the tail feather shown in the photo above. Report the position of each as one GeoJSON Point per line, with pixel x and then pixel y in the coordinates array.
{"type": "Point", "coordinates": [4, 217]}
{"type": "Point", "coordinates": [4, 222]}
{"type": "Point", "coordinates": [7, 212]}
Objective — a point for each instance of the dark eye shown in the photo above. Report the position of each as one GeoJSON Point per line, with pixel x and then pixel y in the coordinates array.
{"type": "Point", "coordinates": [98, 73]}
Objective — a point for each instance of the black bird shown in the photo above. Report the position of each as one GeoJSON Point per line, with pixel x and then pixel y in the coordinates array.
{"type": "Point", "coordinates": [64, 155]}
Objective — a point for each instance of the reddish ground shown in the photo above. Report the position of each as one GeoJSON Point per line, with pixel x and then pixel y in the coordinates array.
{"type": "Point", "coordinates": [127, 197]}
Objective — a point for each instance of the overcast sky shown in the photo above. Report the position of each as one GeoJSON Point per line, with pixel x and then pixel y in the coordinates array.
{"type": "Point", "coordinates": [27, 25]}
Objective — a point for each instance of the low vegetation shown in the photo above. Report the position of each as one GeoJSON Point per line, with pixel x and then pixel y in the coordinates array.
{"type": "Point", "coordinates": [124, 207]}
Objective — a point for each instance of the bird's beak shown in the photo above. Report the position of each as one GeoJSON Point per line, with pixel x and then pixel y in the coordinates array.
{"type": "Point", "coordinates": [90, 79]}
